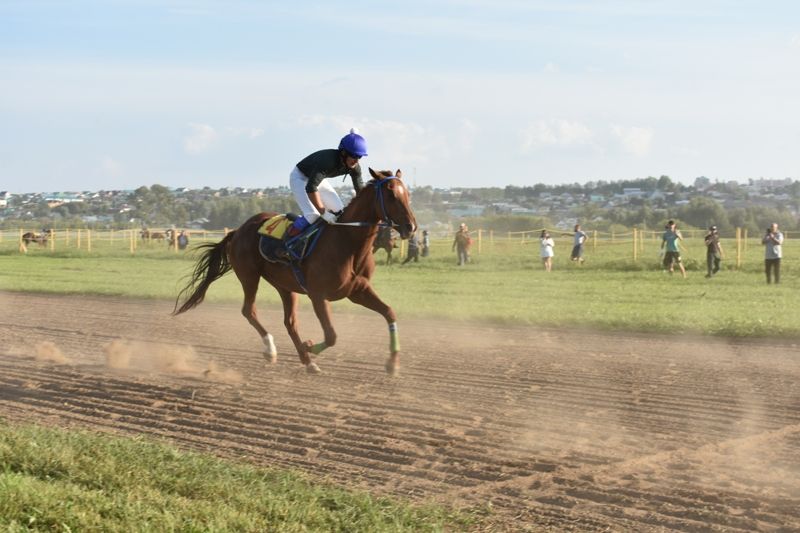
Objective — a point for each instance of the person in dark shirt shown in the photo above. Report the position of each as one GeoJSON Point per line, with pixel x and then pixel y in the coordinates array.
{"type": "Point", "coordinates": [313, 191]}
{"type": "Point", "coordinates": [413, 249]}
{"type": "Point", "coordinates": [713, 251]}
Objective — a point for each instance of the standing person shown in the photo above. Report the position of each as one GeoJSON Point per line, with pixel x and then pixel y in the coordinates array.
{"type": "Point", "coordinates": [671, 238]}
{"type": "Point", "coordinates": [183, 240]}
{"type": "Point", "coordinates": [713, 251]}
{"type": "Point", "coordinates": [546, 244]}
{"type": "Point", "coordinates": [309, 184]}
{"type": "Point", "coordinates": [426, 243]}
{"type": "Point", "coordinates": [773, 252]}
{"type": "Point", "coordinates": [413, 249]}
{"type": "Point", "coordinates": [462, 243]}
{"type": "Point", "coordinates": [577, 245]}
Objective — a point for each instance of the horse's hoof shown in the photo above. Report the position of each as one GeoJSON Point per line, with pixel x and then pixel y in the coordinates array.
{"type": "Point", "coordinates": [312, 368]}
{"type": "Point", "coordinates": [393, 369]}
{"type": "Point", "coordinates": [271, 358]}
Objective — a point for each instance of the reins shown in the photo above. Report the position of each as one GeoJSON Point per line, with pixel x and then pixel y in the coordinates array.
{"type": "Point", "coordinates": [379, 198]}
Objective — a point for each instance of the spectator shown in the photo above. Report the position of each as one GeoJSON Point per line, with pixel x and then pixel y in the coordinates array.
{"type": "Point", "coordinates": [671, 238]}
{"type": "Point", "coordinates": [713, 251]}
{"type": "Point", "coordinates": [462, 243]}
{"type": "Point", "coordinates": [426, 243]}
{"type": "Point", "coordinates": [546, 245]}
{"type": "Point", "coordinates": [183, 240]}
{"type": "Point", "coordinates": [577, 248]}
{"type": "Point", "coordinates": [413, 249]}
{"type": "Point", "coordinates": [772, 252]}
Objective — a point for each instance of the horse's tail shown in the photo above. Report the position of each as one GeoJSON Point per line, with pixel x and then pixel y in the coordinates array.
{"type": "Point", "coordinates": [213, 264]}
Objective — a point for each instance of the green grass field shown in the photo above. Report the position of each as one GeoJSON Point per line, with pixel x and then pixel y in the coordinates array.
{"type": "Point", "coordinates": [54, 480]}
{"type": "Point", "coordinates": [504, 283]}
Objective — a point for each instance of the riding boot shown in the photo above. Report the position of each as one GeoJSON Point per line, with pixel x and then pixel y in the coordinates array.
{"type": "Point", "coordinates": [297, 227]}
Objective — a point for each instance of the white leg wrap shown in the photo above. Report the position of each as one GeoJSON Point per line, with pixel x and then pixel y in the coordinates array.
{"type": "Point", "coordinates": [269, 342]}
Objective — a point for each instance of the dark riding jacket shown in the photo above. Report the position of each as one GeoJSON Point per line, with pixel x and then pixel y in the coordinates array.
{"type": "Point", "coordinates": [328, 164]}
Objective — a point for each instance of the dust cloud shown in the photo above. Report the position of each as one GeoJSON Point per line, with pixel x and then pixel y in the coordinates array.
{"type": "Point", "coordinates": [122, 354]}
{"type": "Point", "coordinates": [48, 352]}
{"type": "Point", "coordinates": [612, 411]}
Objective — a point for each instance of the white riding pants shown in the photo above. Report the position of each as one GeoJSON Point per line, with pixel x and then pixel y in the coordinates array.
{"type": "Point", "coordinates": [330, 199]}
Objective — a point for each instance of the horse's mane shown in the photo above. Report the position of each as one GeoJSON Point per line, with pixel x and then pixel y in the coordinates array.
{"type": "Point", "coordinates": [367, 189]}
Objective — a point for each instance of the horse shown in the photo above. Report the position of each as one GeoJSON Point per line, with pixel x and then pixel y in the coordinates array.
{"type": "Point", "coordinates": [385, 240]}
{"type": "Point", "coordinates": [340, 266]}
{"type": "Point", "coordinates": [30, 237]}
{"type": "Point", "coordinates": [148, 235]}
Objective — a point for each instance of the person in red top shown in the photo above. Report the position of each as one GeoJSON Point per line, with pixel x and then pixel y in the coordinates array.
{"type": "Point", "coordinates": [462, 243]}
{"type": "Point", "coordinates": [312, 190]}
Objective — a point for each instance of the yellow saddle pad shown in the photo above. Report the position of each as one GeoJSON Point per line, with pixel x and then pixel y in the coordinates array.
{"type": "Point", "coordinates": [275, 227]}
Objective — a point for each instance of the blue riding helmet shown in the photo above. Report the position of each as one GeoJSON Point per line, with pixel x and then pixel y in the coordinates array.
{"type": "Point", "coordinates": [354, 144]}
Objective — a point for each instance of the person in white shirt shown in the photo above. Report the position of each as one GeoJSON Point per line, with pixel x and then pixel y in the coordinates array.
{"type": "Point", "coordinates": [546, 245]}
{"type": "Point", "coordinates": [773, 253]}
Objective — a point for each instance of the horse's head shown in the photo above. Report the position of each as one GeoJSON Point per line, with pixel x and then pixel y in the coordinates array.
{"type": "Point", "coordinates": [391, 195]}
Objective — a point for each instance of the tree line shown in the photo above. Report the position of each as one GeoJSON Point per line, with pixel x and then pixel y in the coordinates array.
{"type": "Point", "coordinates": [159, 206]}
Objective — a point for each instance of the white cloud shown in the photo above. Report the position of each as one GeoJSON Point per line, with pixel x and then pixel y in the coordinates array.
{"type": "Point", "coordinates": [795, 41]}
{"type": "Point", "coordinates": [467, 135]}
{"type": "Point", "coordinates": [110, 166]}
{"type": "Point", "coordinates": [389, 142]}
{"type": "Point", "coordinates": [684, 151]}
{"type": "Point", "coordinates": [557, 132]}
{"type": "Point", "coordinates": [634, 140]}
{"type": "Point", "coordinates": [201, 138]}
{"type": "Point", "coordinates": [204, 136]}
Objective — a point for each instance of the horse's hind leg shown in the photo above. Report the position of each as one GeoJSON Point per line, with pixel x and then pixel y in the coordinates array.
{"type": "Point", "coordinates": [249, 281]}
{"type": "Point", "coordinates": [289, 300]}
{"type": "Point", "coordinates": [367, 297]}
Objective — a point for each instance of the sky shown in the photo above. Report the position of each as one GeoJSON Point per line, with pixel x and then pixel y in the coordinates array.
{"type": "Point", "coordinates": [117, 94]}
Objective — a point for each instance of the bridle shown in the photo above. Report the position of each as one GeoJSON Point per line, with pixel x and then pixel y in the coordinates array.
{"type": "Point", "coordinates": [387, 221]}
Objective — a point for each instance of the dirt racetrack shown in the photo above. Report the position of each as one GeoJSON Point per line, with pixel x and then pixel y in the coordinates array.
{"type": "Point", "coordinates": [554, 429]}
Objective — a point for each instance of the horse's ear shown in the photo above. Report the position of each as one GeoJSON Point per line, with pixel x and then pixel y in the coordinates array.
{"type": "Point", "coordinates": [374, 174]}
{"type": "Point", "coordinates": [398, 174]}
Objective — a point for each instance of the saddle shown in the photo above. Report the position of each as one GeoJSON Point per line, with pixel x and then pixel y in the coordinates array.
{"type": "Point", "coordinates": [275, 247]}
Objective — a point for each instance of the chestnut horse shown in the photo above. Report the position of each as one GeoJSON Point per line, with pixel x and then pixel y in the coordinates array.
{"type": "Point", "coordinates": [30, 237]}
{"type": "Point", "coordinates": [340, 266]}
{"type": "Point", "coordinates": [148, 235]}
{"type": "Point", "coordinates": [385, 240]}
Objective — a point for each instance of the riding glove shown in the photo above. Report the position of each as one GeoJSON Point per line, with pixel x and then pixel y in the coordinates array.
{"type": "Point", "coordinates": [329, 217]}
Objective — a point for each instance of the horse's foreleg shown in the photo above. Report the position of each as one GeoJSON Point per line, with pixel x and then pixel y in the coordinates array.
{"type": "Point", "coordinates": [289, 300]}
{"type": "Point", "coordinates": [367, 297]}
{"type": "Point", "coordinates": [250, 288]}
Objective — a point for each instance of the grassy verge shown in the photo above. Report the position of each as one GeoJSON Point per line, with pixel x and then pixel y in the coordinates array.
{"type": "Point", "coordinates": [58, 480]}
{"type": "Point", "coordinates": [505, 283]}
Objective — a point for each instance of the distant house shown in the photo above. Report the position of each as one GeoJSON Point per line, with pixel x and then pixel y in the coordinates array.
{"type": "Point", "coordinates": [767, 184]}
{"type": "Point", "coordinates": [466, 211]}
{"type": "Point", "coordinates": [60, 198]}
{"type": "Point", "coordinates": [524, 211]}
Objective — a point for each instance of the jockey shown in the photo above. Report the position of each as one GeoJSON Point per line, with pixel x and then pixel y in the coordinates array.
{"type": "Point", "coordinates": [313, 192]}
